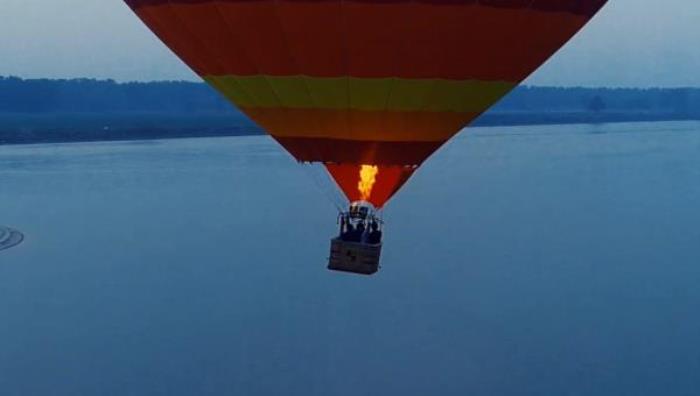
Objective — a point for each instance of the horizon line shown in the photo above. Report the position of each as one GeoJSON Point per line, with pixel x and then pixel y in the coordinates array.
{"type": "Point", "coordinates": [202, 82]}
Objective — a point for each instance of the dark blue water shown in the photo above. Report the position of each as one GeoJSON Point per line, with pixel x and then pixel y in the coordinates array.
{"type": "Point", "coordinates": [558, 260]}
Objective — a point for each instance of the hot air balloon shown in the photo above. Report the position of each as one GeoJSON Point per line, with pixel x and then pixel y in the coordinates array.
{"type": "Point", "coordinates": [369, 89]}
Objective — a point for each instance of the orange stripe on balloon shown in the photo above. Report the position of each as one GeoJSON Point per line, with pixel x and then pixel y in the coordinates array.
{"type": "Point", "coordinates": [381, 126]}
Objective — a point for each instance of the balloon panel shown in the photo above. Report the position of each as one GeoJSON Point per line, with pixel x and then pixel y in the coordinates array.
{"type": "Point", "coordinates": [360, 82]}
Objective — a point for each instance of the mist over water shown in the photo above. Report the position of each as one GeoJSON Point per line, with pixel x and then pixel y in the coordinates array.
{"type": "Point", "coordinates": [557, 260]}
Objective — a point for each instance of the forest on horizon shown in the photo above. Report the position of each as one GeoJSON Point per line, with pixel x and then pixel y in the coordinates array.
{"type": "Point", "coordinates": [46, 110]}
{"type": "Point", "coordinates": [83, 95]}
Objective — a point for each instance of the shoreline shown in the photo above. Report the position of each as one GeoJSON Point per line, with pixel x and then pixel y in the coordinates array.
{"type": "Point", "coordinates": [26, 129]}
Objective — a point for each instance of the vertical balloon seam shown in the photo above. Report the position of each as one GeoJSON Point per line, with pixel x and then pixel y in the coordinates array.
{"type": "Point", "coordinates": [241, 50]}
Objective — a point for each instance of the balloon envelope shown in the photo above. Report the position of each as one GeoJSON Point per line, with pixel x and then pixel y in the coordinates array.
{"type": "Point", "coordinates": [357, 82]}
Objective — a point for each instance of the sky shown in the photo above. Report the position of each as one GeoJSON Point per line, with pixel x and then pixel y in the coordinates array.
{"type": "Point", "coordinates": [631, 43]}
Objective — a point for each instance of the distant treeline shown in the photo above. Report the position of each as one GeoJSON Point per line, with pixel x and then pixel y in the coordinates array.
{"type": "Point", "coordinates": [656, 100]}
{"type": "Point", "coordinates": [42, 110]}
{"type": "Point", "coordinates": [107, 96]}
{"type": "Point", "coordinates": [178, 97]}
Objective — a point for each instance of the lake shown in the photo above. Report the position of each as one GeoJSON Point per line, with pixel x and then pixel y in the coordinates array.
{"type": "Point", "coordinates": [553, 260]}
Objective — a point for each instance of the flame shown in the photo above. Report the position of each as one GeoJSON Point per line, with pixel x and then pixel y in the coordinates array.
{"type": "Point", "coordinates": [368, 176]}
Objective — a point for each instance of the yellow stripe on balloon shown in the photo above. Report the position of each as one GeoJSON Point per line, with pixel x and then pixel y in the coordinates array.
{"type": "Point", "coordinates": [366, 94]}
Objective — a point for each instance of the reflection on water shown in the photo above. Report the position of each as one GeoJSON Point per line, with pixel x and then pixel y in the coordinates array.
{"type": "Point", "coordinates": [518, 261]}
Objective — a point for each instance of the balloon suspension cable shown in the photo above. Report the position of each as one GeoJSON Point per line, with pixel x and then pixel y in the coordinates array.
{"type": "Point", "coordinates": [325, 184]}
{"type": "Point", "coordinates": [379, 214]}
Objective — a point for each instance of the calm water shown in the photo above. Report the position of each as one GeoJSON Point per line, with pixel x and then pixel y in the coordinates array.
{"type": "Point", "coordinates": [558, 260]}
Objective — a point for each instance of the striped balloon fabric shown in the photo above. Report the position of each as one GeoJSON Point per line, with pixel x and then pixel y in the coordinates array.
{"type": "Point", "coordinates": [356, 82]}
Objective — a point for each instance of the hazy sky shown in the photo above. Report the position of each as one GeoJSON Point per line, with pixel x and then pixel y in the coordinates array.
{"type": "Point", "coordinates": [630, 43]}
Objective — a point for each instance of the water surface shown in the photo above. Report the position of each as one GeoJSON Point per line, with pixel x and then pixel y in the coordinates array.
{"type": "Point", "coordinates": [557, 260]}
